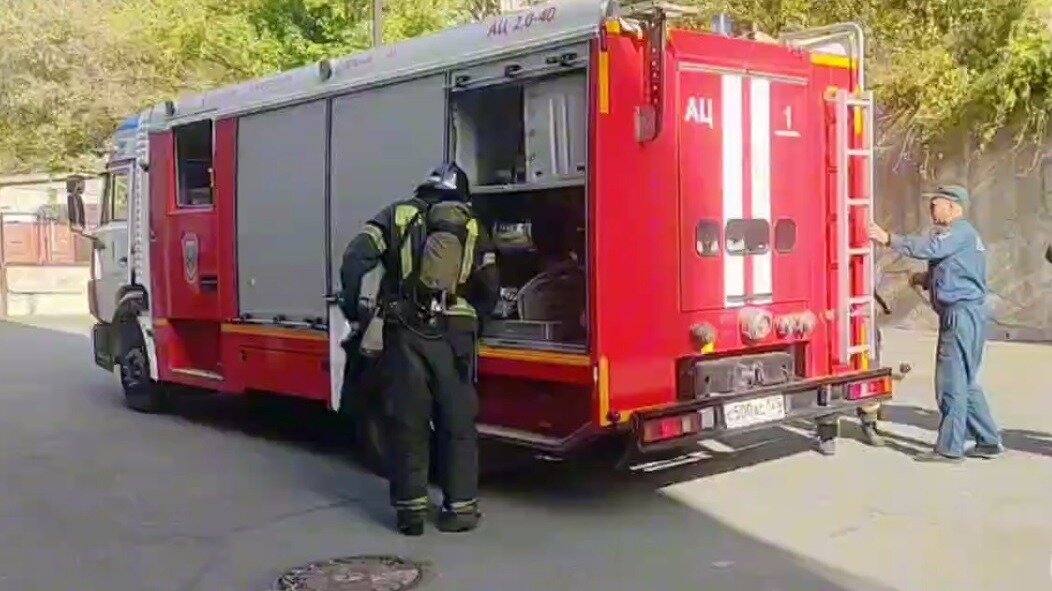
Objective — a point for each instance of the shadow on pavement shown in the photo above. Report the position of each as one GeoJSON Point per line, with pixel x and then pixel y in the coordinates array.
{"type": "Point", "coordinates": [226, 492]}
{"type": "Point", "coordinates": [1026, 441]}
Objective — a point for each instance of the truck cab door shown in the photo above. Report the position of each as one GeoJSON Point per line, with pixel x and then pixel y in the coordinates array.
{"type": "Point", "coordinates": [110, 255]}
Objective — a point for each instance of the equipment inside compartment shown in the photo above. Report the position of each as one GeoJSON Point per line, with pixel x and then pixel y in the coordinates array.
{"type": "Point", "coordinates": [529, 132]}
{"type": "Point", "coordinates": [540, 241]}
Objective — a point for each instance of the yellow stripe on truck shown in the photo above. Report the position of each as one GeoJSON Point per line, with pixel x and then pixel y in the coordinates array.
{"type": "Point", "coordinates": [535, 356]}
{"type": "Point", "coordinates": [603, 386]}
{"type": "Point", "coordinates": [832, 61]}
{"type": "Point", "coordinates": [604, 82]}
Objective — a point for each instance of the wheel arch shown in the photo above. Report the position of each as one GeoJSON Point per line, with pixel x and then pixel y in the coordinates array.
{"type": "Point", "coordinates": [133, 309]}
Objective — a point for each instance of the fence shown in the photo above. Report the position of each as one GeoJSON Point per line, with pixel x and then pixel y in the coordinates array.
{"type": "Point", "coordinates": [44, 266]}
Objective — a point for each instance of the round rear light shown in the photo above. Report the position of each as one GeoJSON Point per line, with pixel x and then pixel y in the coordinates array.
{"type": "Point", "coordinates": [704, 334]}
{"type": "Point", "coordinates": [755, 324]}
{"type": "Point", "coordinates": [806, 323]}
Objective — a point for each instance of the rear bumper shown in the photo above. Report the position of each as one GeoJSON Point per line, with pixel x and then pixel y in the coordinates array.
{"type": "Point", "coordinates": [808, 399]}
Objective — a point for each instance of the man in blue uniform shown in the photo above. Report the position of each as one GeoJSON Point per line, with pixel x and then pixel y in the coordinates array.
{"type": "Point", "coordinates": [956, 281]}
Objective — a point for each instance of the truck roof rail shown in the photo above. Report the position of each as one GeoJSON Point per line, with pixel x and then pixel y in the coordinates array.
{"type": "Point", "coordinates": [853, 33]}
{"type": "Point", "coordinates": [656, 7]}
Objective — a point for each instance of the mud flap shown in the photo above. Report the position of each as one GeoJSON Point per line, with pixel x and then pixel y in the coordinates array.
{"type": "Point", "coordinates": [102, 344]}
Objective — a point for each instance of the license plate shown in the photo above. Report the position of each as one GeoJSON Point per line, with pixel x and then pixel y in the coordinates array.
{"type": "Point", "coordinates": [754, 412]}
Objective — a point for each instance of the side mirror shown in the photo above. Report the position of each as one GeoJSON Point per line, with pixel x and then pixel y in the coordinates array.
{"type": "Point", "coordinates": [75, 204]}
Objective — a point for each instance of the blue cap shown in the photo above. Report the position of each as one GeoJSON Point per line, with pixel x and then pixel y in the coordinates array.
{"type": "Point", "coordinates": [954, 193]}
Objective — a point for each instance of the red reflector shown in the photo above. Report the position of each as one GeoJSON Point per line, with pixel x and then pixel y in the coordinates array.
{"type": "Point", "coordinates": [673, 427]}
{"type": "Point", "coordinates": [878, 387]}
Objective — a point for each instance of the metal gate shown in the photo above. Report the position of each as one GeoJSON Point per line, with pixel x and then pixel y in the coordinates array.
{"type": "Point", "coordinates": [37, 252]}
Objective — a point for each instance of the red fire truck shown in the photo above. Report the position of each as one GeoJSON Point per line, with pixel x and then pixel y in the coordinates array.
{"type": "Point", "coordinates": [712, 191]}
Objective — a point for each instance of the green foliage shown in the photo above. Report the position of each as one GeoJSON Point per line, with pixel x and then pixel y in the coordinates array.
{"type": "Point", "coordinates": [939, 67]}
{"type": "Point", "coordinates": [70, 70]}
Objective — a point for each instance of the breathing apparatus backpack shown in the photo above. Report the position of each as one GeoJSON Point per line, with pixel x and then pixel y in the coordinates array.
{"type": "Point", "coordinates": [443, 263]}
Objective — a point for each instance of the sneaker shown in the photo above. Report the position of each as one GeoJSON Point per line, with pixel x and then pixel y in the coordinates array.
{"type": "Point", "coordinates": [827, 447]}
{"type": "Point", "coordinates": [871, 436]}
{"type": "Point", "coordinates": [934, 457]}
{"type": "Point", "coordinates": [459, 520]}
{"type": "Point", "coordinates": [986, 452]}
{"type": "Point", "coordinates": [411, 522]}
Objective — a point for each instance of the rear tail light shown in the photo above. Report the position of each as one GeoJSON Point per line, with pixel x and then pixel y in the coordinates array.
{"type": "Point", "coordinates": [868, 389]}
{"type": "Point", "coordinates": [667, 428]}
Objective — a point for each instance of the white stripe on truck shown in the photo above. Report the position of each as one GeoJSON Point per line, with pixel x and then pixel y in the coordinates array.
{"type": "Point", "coordinates": [733, 194]}
{"type": "Point", "coordinates": [760, 198]}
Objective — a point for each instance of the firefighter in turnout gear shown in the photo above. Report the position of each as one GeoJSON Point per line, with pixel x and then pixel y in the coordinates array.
{"type": "Point", "coordinates": [440, 277]}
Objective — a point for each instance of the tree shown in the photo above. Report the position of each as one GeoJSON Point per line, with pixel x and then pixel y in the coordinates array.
{"type": "Point", "coordinates": [72, 69]}
{"type": "Point", "coordinates": [939, 67]}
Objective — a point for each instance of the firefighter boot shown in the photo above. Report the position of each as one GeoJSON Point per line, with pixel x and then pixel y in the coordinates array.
{"type": "Point", "coordinates": [459, 518]}
{"type": "Point", "coordinates": [411, 522]}
{"type": "Point", "coordinates": [871, 435]}
{"type": "Point", "coordinates": [827, 430]}
{"type": "Point", "coordinates": [868, 417]}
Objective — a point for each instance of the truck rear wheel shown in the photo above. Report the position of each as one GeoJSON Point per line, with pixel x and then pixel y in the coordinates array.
{"type": "Point", "coordinates": [141, 392]}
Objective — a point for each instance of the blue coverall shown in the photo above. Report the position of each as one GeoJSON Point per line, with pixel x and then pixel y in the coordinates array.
{"type": "Point", "coordinates": [956, 259]}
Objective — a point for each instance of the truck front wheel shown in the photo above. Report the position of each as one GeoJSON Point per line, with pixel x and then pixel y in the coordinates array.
{"type": "Point", "coordinates": [141, 392]}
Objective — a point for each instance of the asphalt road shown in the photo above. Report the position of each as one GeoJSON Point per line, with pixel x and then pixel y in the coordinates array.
{"type": "Point", "coordinates": [225, 494]}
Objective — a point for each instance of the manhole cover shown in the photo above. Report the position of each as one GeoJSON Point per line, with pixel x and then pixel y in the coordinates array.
{"type": "Point", "coordinates": [354, 573]}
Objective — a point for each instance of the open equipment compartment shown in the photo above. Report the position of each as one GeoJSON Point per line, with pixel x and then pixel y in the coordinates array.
{"type": "Point", "coordinates": [519, 129]}
{"type": "Point", "coordinates": [540, 237]}
{"type": "Point", "coordinates": [523, 121]}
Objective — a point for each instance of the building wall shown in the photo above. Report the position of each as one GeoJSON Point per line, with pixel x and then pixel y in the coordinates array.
{"type": "Point", "coordinates": [25, 194]}
{"type": "Point", "coordinates": [1012, 209]}
{"type": "Point", "coordinates": [41, 290]}
{"type": "Point", "coordinates": [45, 269]}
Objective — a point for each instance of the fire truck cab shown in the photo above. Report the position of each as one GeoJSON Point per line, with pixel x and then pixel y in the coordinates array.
{"type": "Point", "coordinates": [680, 219]}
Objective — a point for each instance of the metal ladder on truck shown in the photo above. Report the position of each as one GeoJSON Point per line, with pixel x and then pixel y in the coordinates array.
{"type": "Point", "coordinates": [857, 341]}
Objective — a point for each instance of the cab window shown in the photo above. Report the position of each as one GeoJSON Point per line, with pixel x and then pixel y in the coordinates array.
{"type": "Point", "coordinates": [115, 194]}
{"type": "Point", "coordinates": [193, 146]}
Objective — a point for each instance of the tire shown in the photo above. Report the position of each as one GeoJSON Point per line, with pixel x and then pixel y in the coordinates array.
{"type": "Point", "coordinates": [141, 392]}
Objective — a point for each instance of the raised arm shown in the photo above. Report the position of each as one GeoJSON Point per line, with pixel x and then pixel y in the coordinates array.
{"type": "Point", "coordinates": [484, 283]}
{"type": "Point", "coordinates": [936, 245]}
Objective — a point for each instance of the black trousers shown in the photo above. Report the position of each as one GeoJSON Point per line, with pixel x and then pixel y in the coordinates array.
{"type": "Point", "coordinates": [429, 380]}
